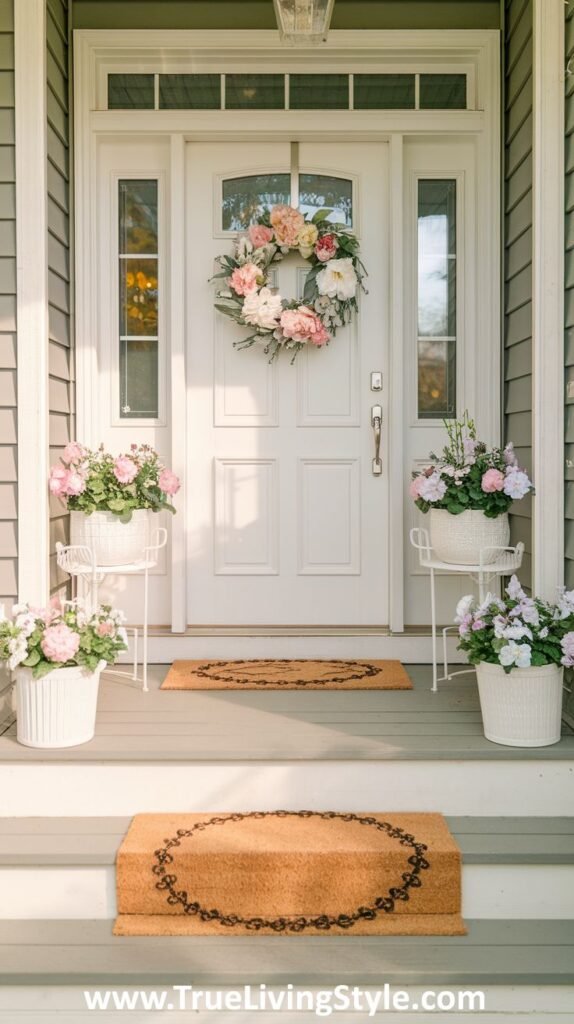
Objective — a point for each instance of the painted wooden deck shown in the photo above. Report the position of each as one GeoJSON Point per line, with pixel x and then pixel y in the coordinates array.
{"type": "Point", "coordinates": [224, 726]}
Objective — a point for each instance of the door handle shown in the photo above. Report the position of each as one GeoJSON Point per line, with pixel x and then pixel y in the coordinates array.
{"type": "Point", "coordinates": [376, 423]}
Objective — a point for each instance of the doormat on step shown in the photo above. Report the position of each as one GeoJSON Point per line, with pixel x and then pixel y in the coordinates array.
{"type": "Point", "coordinates": [287, 674]}
{"type": "Point", "coordinates": [289, 873]}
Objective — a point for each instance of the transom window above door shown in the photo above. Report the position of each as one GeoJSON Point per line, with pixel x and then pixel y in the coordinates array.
{"type": "Point", "coordinates": [243, 199]}
{"type": "Point", "coordinates": [316, 91]}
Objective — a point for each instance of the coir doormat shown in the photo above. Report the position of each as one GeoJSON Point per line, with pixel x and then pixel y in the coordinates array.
{"type": "Point", "coordinates": [289, 873]}
{"type": "Point", "coordinates": [287, 674]}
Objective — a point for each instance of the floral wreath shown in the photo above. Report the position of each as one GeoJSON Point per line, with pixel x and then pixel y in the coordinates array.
{"type": "Point", "coordinates": [331, 285]}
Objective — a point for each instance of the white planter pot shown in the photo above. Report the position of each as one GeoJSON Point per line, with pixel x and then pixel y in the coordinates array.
{"type": "Point", "coordinates": [460, 539]}
{"type": "Point", "coordinates": [113, 542]}
{"type": "Point", "coordinates": [58, 710]}
{"type": "Point", "coordinates": [522, 708]}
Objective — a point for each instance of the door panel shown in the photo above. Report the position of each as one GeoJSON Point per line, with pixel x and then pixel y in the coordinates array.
{"type": "Point", "coordinates": [287, 524]}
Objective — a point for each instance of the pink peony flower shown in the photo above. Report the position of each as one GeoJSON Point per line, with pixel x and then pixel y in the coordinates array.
{"type": "Point", "coordinates": [415, 486]}
{"type": "Point", "coordinates": [168, 482]}
{"type": "Point", "coordinates": [245, 279]}
{"type": "Point", "coordinates": [125, 469]}
{"type": "Point", "coordinates": [493, 480]}
{"type": "Point", "coordinates": [105, 629]}
{"type": "Point", "coordinates": [58, 482]}
{"type": "Point", "coordinates": [73, 453]}
{"type": "Point", "coordinates": [287, 222]}
{"type": "Point", "coordinates": [76, 483]}
{"type": "Point", "coordinates": [259, 235]}
{"type": "Point", "coordinates": [326, 248]}
{"type": "Point", "coordinates": [60, 643]}
{"type": "Point", "coordinates": [302, 324]}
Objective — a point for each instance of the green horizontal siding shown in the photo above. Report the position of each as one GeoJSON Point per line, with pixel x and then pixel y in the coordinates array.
{"type": "Point", "coordinates": [61, 363]}
{"type": "Point", "coordinates": [518, 254]}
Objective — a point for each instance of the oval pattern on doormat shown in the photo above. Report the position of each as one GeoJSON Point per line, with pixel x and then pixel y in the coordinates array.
{"type": "Point", "coordinates": [410, 877]}
{"type": "Point", "coordinates": [292, 672]}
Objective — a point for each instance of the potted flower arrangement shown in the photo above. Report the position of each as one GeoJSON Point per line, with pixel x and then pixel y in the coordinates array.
{"type": "Point", "coordinates": [468, 492]}
{"type": "Point", "coordinates": [520, 646]}
{"type": "Point", "coordinates": [111, 498]}
{"type": "Point", "coordinates": [56, 655]}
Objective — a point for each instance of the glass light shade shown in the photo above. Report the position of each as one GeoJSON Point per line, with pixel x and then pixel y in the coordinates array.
{"type": "Point", "coordinates": [303, 21]}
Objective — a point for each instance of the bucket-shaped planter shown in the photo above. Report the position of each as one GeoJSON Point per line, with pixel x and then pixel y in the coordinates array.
{"type": "Point", "coordinates": [521, 708]}
{"type": "Point", "coordinates": [461, 539]}
{"type": "Point", "coordinates": [112, 542]}
{"type": "Point", "coordinates": [58, 710]}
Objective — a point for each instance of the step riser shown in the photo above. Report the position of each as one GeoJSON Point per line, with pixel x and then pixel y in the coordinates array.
{"type": "Point", "coordinates": [482, 787]}
{"type": "Point", "coordinates": [490, 891]}
{"type": "Point", "coordinates": [504, 1005]}
{"type": "Point", "coordinates": [415, 650]}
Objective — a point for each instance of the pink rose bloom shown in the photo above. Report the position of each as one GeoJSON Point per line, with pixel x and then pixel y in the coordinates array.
{"type": "Point", "coordinates": [493, 480]}
{"type": "Point", "coordinates": [105, 629]}
{"type": "Point", "coordinates": [73, 452]}
{"type": "Point", "coordinates": [414, 487]}
{"type": "Point", "coordinates": [259, 235]}
{"type": "Point", "coordinates": [125, 470]}
{"type": "Point", "coordinates": [76, 483]}
{"type": "Point", "coordinates": [245, 279]}
{"type": "Point", "coordinates": [302, 324]}
{"type": "Point", "coordinates": [168, 482]}
{"type": "Point", "coordinates": [326, 247]}
{"type": "Point", "coordinates": [58, 482]}
{"type": "Point", "coordinates": [60, 643]}
{"type": "Point", "coordinates": [287, 222]}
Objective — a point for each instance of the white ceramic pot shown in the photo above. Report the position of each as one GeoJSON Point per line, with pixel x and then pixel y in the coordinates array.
{"type": "Point", "coordinates": [460, 539]}
{"type": "Point", "coordinates": [58, 710]}
{"type": "Point", "coordinates": [113, 542]}
{"type": "Point", "coordinates": [522, 708]}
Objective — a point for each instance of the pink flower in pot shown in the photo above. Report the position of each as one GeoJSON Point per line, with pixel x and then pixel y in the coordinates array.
{"type": "Point", "coordinates": [59, 643]}
{"type": "Point", "coordinates": [125, 470]}
{"type": "Point", "coordinates": [493, 480]}
{"type": "Point", "coordinates": [168, 482]}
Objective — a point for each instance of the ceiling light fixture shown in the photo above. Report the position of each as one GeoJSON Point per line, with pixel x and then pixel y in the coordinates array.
{"type": "Point", "coordinates": [303, 21]}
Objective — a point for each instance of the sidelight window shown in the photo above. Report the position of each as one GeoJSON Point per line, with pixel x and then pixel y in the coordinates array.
{"type": "Point", "coordinates": [436, 298]}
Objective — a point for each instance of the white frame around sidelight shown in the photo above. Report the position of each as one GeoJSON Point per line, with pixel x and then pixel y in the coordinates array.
{"type": "Point", "coordinates": [98, 51]}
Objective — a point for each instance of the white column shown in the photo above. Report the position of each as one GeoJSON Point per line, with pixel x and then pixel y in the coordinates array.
{"type": "Point", "coordinates": [32, 298]}
{"type": "Point", "coordinates": [548, 296]}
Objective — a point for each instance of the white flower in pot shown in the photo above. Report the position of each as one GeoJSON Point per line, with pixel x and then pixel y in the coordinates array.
{"type": "Point", "coordinates": [468, 492]}
{"type": "Point", "coordinates": [56, 655]}
{"type": "Point", "coordinates": [111, 498]}
{"type": "Point", "coordinates": [520, 646]}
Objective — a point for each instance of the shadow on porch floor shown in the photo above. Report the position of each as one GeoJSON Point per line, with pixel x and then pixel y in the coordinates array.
{"type": "Point", "coordinates": [223, 726]}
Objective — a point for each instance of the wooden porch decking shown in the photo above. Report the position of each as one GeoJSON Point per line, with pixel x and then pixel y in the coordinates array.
{"type": "Point", "coordinates": [224, 726]}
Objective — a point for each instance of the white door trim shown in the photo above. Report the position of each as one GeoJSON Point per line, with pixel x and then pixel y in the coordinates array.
{"type": "Point", "coordinates": [97, 52]}
{"type": "Point", "coordinates": [32, 299]}
{"type": "Point", "coordinates": [548, 297]}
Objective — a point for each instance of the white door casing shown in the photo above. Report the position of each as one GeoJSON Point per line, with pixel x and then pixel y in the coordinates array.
{"type": "Point", "coordinates": [287, 523]}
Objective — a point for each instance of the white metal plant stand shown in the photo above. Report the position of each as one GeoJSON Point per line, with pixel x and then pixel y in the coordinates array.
{"type": "Point", "coordinates": [508, 561]}
{"type": "Point", "coordinates": [79, 561]}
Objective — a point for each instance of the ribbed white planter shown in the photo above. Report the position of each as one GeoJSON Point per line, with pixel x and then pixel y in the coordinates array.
{"type": "Point", "coordinates": [522, 708]}
{"type": "Point", "coordinates": [113, 542]}
{"type": "Point", "coordinates": [58, 710]}
{"type": "Point", "coordinates": [460, 539]}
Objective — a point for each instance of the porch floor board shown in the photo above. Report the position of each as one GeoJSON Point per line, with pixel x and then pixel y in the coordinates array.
{"type": "Point", "coordinates": [227, 725]}
{"type": "Point", "coordinates": [85, 952]}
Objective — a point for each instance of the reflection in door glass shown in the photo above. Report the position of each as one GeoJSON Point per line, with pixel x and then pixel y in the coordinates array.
{"type": "Point", "coordinates": [436, 298]}
{"type": "Point", "coordinates": [321, 191]}
{"type": "Point", "coordinates": [244, 199]}
{"type": "Point", "coordinates": [138, 259]}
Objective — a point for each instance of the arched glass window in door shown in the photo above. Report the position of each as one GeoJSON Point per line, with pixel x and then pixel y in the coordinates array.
{"type": "Point", "coordinates": [243, 199]}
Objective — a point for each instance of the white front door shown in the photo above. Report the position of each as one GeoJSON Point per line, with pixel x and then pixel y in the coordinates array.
{"type": "Point", "coordinates": [286, 522]}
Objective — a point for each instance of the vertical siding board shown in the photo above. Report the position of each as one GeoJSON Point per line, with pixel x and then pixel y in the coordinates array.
{"type": "Point", "coordinates": [518, 253]}
{"type": "Point", "coordinates": [61, 384]}
{"type": "Point", "coordinates": [569, 305]}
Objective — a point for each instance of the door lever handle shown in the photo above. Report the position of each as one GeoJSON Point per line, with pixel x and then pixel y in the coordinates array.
{"type": "Point", "coordinates": [376, 423]}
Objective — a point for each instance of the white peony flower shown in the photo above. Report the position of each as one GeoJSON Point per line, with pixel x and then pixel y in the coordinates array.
{"type": "Point", "coordinates": [337, 279]}
{"type": "Point", "coordinates": [516, 483]}
{"type": "Point", "coordinates": [464, 607]}
{"type": "Point", "coordinates": [515, 654]}
{"type": "Point", "coordinates": [262, 309]}
{"type": "Point", "coordinates": [432, 488]}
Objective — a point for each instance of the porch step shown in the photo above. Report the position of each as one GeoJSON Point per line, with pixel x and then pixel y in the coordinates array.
{"type": "Point", "coordinates": [85, 953]}
{"type": "Point", "coordinates": [55, 868]}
